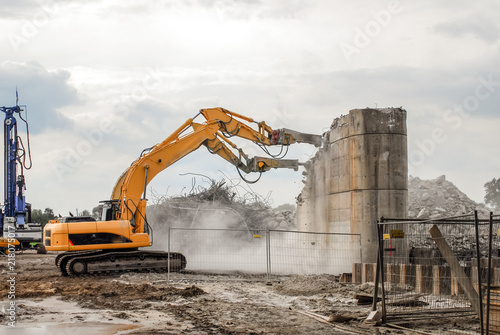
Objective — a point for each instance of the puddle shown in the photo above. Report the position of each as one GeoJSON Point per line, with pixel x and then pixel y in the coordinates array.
{"type": "Point", "coordinates": [81, 328]}
{"type": "Point", "coordinates": [54, 316]}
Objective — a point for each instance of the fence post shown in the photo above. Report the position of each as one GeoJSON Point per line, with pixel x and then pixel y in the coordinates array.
{"type": "Point", "coordinates": [479, 288]}
{"type": "Point", "coordinates": [488, 287]}
{"type": "Point", "coordinates": [377, 271]}
{"type": "Point", "coordinates": [381, 269]}
{"type": "Point", "coordinates": [268, 254]}
{"type": "Point", "coordinates": [168, 260]}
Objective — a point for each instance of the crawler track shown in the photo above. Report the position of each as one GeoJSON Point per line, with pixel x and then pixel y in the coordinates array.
{"type": "Point", "coordinates": [77, 263]}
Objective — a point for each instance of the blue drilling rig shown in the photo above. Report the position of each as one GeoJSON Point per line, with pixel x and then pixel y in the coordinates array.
{"type": "Point", "coordinates": [16, 213]}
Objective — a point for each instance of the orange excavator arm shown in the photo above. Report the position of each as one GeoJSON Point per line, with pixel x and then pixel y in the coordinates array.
{"type": "Point", "coordinates": [112, 245]}
{"type": "Point", "coordinates": [219, 125]}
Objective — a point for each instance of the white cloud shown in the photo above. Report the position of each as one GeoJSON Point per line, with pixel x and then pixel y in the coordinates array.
{"type": "Point", "coordinates": [135, 72]}
{"type": "Point", "coordinates": [44, 91]}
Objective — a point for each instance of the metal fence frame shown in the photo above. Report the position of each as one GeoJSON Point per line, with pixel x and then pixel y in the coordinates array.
{"type": "Point", "coordinates": [482, 233]}
{"type": "Point", "coordinates": [326, 247]}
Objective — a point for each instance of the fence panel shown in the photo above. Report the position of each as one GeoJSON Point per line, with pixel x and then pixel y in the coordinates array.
{"type": "Point", "coordinates": [265, 252]}
{"type": "Point", "coordinates": [221, 250]}
{"type": "Point", "coordinates": [430, 271]}
{"type": "Point", "coordinates": [293, 252]}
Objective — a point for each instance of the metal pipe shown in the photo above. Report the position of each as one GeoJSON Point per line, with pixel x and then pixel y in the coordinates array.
{"type": "Point", "coordinates": [145, 181]}
{"type": "Point", "coordinates": [437, 221]}
{"type": "Point", "coordinates": [478, 251]}
{"type": "Point", "coordinates": [176, 133]}
{"type": "Point", "coordinates": [381, 269]}
{"type": "Point", "coordinates": [377, 272]}
{"type": "Point", "coordinates": [243, 117]}
{"type": "Point", "coordinates": [488, 287]}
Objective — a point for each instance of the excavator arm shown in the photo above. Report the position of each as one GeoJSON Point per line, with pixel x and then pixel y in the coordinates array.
{"type": "Point", "coordinates": [112, 245]}
{"type": "Point", "coordinates": [220, 125]}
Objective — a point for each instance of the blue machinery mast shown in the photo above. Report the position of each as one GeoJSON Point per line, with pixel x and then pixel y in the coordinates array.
{"type": "Point", "coordinates": [14, 183]}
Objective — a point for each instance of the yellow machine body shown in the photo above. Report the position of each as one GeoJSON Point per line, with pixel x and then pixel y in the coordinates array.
{"type": "Point", "coordinates": [96, 235]}
{"type": "Point", "coordinates": [6, 242]}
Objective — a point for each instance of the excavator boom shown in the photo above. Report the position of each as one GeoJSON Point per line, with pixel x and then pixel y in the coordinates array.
{"type": "Point", "coordinates": [98, 246]}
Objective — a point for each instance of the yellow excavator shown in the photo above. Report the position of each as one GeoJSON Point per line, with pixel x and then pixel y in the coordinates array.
{"type": "Point", "coordinates": [8, 245]}
{"type": "Point", "coordinates": [111, 245]}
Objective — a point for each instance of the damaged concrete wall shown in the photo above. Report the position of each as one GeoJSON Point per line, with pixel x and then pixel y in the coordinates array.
{"type": "Point", "coordinates": [360, 175]}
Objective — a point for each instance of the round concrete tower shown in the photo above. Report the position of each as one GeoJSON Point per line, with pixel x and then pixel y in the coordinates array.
{"type": "Point", "coordinates": [360, 176]}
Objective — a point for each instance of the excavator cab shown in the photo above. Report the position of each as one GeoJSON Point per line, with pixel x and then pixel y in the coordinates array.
{"type": "Point", "coordinates": [110, 209]}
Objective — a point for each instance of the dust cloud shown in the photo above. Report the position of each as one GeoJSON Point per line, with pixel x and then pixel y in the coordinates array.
{"type": "Point", "coordinates": [218, 237]}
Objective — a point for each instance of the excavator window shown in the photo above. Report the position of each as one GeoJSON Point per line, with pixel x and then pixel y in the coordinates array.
{"type": "Point", "coordinates": [110, 209]}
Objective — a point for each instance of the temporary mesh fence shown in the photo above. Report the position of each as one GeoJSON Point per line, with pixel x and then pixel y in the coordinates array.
{"type": "Point", "coordinates": [430, 273]}
{"type": "Point", "coordinates": [221, 250]}
{"type": "Point", "coordinates": [293, 252]}
{"type": "Point", "coordinates": [264, 253]}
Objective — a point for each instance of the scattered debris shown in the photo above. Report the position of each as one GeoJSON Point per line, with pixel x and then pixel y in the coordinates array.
{"type": "Point", "coordinates": [198, 303]}
{"type": "Point", "coordinates": [374, 317]}
{"type": "Point", "coordinates": [309, 285]}
{"type": "Point", "coordinates": [412, 301]}
{"type": "Point", "coordinates": [365, 299]}
{"type": "Point", "coordinates": [341, 318]}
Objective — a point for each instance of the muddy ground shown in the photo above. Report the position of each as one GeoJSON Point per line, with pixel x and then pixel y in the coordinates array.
{"type": "Point", "coordinates": [147, 303]}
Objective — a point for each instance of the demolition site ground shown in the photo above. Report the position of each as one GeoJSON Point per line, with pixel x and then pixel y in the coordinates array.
{"type": "Point", "coordinates": [147, 303]}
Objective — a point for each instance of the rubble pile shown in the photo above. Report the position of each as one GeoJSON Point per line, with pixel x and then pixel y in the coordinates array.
{"type": "Point", "coordinates": [218, 206]}
{"type": "Point", "coordinates": [438, 198]}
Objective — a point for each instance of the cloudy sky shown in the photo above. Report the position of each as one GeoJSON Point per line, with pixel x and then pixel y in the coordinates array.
{"type": "Point", "coordinates": [104, 79]}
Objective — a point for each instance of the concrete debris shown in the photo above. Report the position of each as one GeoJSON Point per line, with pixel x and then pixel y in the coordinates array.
{"type": "Point", "coordinates": [374, 317]}
{"type": "Point", "coordinates": [439, 198]}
